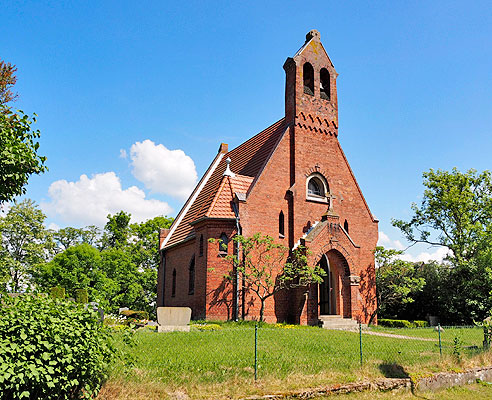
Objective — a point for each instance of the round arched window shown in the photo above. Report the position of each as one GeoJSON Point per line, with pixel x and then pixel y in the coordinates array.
{"type": "Point", "coordinates": [317, 188]}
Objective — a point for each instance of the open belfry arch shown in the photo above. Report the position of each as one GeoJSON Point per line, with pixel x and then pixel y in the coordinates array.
{"type": "Point", "coordinates": [293, 182]}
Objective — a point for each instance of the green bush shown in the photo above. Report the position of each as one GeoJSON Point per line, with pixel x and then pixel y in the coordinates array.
{"type": "Point", "coordinates": [402, 323]}
{"type": "Point", "coordinates": [57, 292]}
{"type": "Point", "coordinates": [137, 315]}
{"type": "Point", "coordinates": [81, 296]}
{"type": "Point", "coordinates": [51, 349]}
{"type": "Point", "coordinates": [206, 327]}
{"type": "Point", "coordinates": [395, 323]}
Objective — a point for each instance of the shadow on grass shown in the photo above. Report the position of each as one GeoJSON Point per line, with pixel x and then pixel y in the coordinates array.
{"type": "Point", "coordinates": [392, 370]}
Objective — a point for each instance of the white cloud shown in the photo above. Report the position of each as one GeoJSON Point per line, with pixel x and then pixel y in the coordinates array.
{"type": "Point", "coordinates": [162, 170]}
{"type": "Point", "coordinates": [54, 227]}
{"type": "Point", "coordinates": [438, 253]}
{"type": "Point", "coordinates": [384, 240]}
{"type": "Point", "coordinates": [4, 208]}
{"type": "Point", "coordinates": [123, 153]}
{"type": "Point", "coordinates": [89, 200]}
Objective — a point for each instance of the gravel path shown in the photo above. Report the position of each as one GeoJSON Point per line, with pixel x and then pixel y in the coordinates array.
{"type": "Point", "coordinates": [398, 336]}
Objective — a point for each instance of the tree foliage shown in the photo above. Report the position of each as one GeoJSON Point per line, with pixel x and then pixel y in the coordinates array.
{"type": "Point", "coordinates": [51, 349]}
{"type": "Point", "coordinates": [18, 141]}
{"type": "Point", "coordinates": [456, 212]}
{"type": "Point", "coordinates": [267, 268]}
{"type": "Point", "coordinates": [396, 282]}
{"type": "Point", "coordinates": [120, 272]}
{"type": "Point", "coordinates": [24, 244]}
{"type": "Point", "coordinates": [7, 82]}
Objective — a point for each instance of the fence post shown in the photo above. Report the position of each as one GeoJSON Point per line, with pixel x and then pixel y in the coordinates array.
{"type": "Point", "coordinates": [440, 344]}
{"type": "Point", "coordinates": [256, 351]}
{"type": "Point", "coordinates": [360, 342]}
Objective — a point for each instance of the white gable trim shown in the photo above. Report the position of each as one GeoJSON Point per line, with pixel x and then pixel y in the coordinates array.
{"type": "Point", "coordinates": [192, 198]}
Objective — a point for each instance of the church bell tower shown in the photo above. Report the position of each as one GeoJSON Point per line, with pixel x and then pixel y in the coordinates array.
{"type": "Point", "coordinates": [310, 87]}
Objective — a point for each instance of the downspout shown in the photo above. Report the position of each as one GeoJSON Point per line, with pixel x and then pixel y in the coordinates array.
{"type": "Point", "coordinates": [236, 273]}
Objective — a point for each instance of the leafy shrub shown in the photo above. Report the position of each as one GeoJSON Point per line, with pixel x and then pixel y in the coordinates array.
{"type": "Point", "coordinates": [395, 323]}
{"type": "Point", "coordinates": [206, 327]}
{"type": "Point", "coordinates": [402, 323]}
{"type": "Point", "coordinates": [81, 296]}
{"type": "Point", "coordinates": [137, 315]}
{"type": "Point", "coordinates": [57, 292]}
{"type": "Point", "coordinates": [50, 349]}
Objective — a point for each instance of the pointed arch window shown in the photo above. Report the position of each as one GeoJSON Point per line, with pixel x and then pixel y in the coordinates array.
{"type": "Point", "coordinates": [324, 84]}
{"type": "Point", "coordinates": [308, 78]}
{"type": "Point", "coordinates": [223, 244]}
{"type": "Point", "coordinates": [281, 225]}
{"type": "Point", "coordinates": [200, 250]}
{"type": "Point", "coordinates": [173, 288]}
{"type": "Point", "coordinates": [191, 276]}
{"type": "Point", "coordinates": [346, 226]}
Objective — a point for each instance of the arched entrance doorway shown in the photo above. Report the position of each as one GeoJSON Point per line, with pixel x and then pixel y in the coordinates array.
{"type": "Point", "coordinates": [334, 293]}
{"type": "Point", "coordinates": [327, 289]}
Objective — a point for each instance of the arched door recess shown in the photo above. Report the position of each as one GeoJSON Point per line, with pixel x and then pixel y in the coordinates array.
{"type": "Point", "coordinates": [327, 289]}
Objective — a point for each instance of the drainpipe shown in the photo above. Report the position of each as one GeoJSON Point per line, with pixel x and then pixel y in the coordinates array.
{"type": "Point", "coordinates": [236, 273]}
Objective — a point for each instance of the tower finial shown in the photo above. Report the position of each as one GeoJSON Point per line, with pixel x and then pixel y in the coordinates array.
{"type": "Point", "coordinates": [228, 171]}
{"type": "Point", "coordinates": [313, 34]}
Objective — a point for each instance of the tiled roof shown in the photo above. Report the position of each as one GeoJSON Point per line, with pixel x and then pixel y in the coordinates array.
{"type": "Point", "coordinates": [221, 206]}
{"type": "Point", "coordinates": [247, 161]}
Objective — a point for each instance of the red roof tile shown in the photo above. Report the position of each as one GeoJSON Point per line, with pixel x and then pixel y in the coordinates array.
{"type": "Point", "coordinates": [247, 161]}
{"type": "Point", "coordinates": [221, 206]}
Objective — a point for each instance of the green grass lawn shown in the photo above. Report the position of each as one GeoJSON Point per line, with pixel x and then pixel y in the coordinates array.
{"type": "Point", "coordinates": [220, 363]}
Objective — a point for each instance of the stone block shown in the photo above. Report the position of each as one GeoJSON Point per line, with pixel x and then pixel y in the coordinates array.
{"type": "Point", "coordinates": [173, 319]}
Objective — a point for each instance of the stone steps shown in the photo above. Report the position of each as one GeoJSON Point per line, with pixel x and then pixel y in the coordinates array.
{"type": "Point", "coordinates": [337, 322]}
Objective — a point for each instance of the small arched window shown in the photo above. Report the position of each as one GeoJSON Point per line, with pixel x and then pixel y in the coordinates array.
{"type": "Point", "coordinates": [223, 242]}
{"type": "Point", "coordinates": [317, 188]}
{"type": "Point", "coordinates": [281, 224]}
{"type": "Point", "coordinates": [173, 288]}
{"type": "Point", "coordinates": [324, 84]}
{"type": "Point", "coordinates": [200, 250]}
{"type": "Point", "coordinates": [308, 77]}
{"type": "Point", "coordinates": [191, 276]}
{"type": "Point", "coordinates": [345, 226]}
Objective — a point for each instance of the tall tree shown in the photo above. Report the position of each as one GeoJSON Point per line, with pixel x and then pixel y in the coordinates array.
{"type": "Point", "coordinates": [19, 157]}
{"type": "Point", "coordinates": [7, 82]}
{"type": "Point", "coordinates": [24, 243]}
{"type": "Point", "coordinates": [266, 268]}
{"type": "Point", "coordinates": [456, 212]}
{"type": "Point", "coordinates": [396, 281]}
{"type": "Point", "coordinates": [116, 230]}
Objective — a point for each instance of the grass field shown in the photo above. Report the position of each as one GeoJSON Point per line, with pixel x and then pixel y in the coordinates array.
{"type": "Point", "coordinates": [220, 363]}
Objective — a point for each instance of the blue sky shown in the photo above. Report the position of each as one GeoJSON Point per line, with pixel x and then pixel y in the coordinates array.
{"type": "Point", "coordinates": [171, 80]}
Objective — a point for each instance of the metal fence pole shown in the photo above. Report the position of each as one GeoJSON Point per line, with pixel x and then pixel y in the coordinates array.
{"type": "Point", "coordinates": [440, 344]}
{"type": "Point", "coordinates": [256, 351]}
{"type": "Point", "coordinates": [360, 342]}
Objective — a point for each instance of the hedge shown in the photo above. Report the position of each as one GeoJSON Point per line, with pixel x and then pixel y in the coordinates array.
{"type": "Point", "coordinates": [402, 323]}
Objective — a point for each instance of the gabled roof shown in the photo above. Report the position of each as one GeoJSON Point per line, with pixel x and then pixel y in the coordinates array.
{"type": "Point", "coordinates": [247, 162]}
{"type": "Point", "coordinates": [221, 206]}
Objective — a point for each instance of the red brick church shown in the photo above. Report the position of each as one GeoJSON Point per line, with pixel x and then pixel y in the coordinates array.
{"type": "Point", "coordinates": [293, 182]}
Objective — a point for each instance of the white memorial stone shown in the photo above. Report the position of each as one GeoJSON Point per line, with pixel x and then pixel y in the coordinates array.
{"type": "Point", "coordinates": [173, 319]}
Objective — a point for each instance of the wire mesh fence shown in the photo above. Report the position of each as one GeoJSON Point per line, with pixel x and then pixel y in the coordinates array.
{"type": "Point", "coordinates": [225, 351]}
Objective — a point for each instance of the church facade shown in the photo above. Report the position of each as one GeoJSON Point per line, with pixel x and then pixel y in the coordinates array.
{"type": "Point", "coordinates": [293, 182]}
